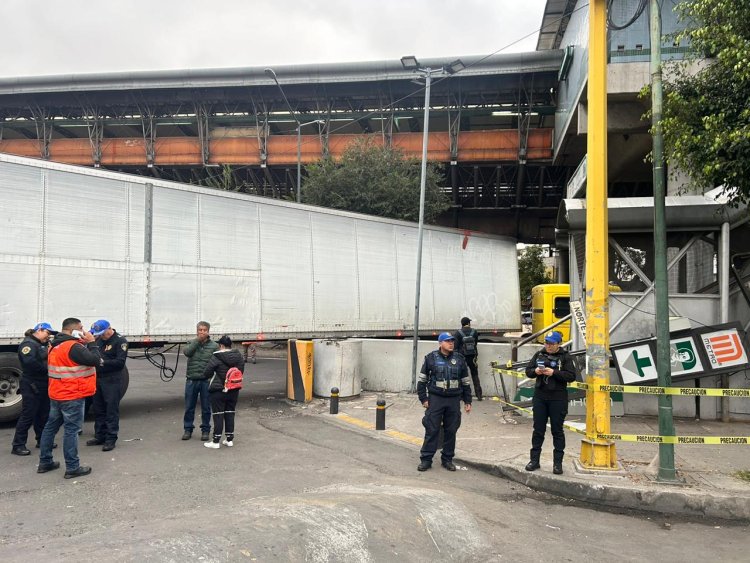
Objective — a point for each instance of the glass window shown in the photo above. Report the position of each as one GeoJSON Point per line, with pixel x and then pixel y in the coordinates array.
{"type": "Point", "coordinates": [562, 307]}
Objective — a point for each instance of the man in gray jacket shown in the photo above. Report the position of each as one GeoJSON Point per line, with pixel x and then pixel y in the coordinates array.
{"type": "Point", "coordinates": [198, 351]}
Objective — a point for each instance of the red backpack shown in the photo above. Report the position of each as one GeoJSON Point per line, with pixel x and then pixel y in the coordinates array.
{"type": "Point", "coordinates": [233, 379]}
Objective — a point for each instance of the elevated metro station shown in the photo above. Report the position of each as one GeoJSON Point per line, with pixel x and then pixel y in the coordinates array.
{"type": "Point", "coordinates": [491, 127]}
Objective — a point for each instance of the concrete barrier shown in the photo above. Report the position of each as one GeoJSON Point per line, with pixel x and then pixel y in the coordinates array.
{"type": "Point", "coordinates": [338, 363]}
{"type": "Point", "coordinates": [386, 364]}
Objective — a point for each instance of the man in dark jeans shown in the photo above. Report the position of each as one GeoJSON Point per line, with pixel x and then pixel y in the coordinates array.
{"type": "Point", "coordinates": [199, 352]}
{"type": "Point", "coordinates": [467, 344]}
{"type": "Point", "coordinates": [71, 366]}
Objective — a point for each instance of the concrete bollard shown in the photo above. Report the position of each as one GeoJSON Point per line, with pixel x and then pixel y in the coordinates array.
{"type": "Point", "coordinates": [380, 414]}
{"type": "Point", "coordinates": [334, 400]}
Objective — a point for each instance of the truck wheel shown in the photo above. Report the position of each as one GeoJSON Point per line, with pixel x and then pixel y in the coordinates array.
{"type": "Point", "coordinates": [124, 382]}
{"type": "Point", "coordinates": [10, 382]}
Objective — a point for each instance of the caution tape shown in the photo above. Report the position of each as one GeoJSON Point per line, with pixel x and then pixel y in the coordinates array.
{"type": "Point", "coordinates": [715, 440]}
{"type": "Point", "coordinates": [531, 413]}
{"type": "Point", "coordinates": [650, 438]}
{"type": "Point", "coordinates": [644, 389]}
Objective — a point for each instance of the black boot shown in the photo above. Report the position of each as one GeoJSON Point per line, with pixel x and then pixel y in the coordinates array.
{"type": "Point", "coordinates": [533, 465]}
{"type": "Point", "coordinates": [424, 465]}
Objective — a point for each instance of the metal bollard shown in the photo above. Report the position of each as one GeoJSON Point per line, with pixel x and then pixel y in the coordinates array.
{"type": "Point", "coordinates": [334, 400]}
{"type": "Point", "coordinates": [380, 415]}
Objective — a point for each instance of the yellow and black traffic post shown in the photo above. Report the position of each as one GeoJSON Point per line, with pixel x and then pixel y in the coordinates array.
{"type": "Point", "coordinates": [334, 400]}
{"type": "Point", "coordinates": [380, 414]}
{"type": "Point", "coordinates": [595, 452]}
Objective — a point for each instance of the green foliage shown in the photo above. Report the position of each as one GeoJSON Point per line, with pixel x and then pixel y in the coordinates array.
{"type": "Point", "coordinates": [375, 180]}
{"type": "Point", "coordinates": [225, 179]}
{"type": "Point", "coordinates": [706, 114]}
{"type": "Point", "coordinates": [531, 270]}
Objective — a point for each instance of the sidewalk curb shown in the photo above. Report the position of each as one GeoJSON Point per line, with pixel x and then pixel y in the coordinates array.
{"type": "Point", "coordinates": [677, 501]}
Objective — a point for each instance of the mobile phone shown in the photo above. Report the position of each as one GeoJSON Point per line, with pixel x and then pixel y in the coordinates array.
{"type": "Point", "coordinates": [76, 334]}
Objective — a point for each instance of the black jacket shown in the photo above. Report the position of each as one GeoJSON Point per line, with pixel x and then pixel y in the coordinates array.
{"type": "Point", "coordinates": [114, 353]}
{"type": "Point", "coordinates": [82, 354]}
{"type": "Point", "coordinates": [552, 387]}
{"type": "Point", "coordinates": [219, 365]}
{"type": "Point", "coordinates": [32, 354]}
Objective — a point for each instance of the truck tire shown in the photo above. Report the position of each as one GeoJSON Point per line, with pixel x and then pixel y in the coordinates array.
{"type": "Point", "coordinates": [124, 382]}
{"type": "Point", "coordinates": [10, 381]}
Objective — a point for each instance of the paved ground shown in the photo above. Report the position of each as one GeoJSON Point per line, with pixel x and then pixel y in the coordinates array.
{"type": "Point", "coordinates": [298, 488]}
{"type": "Point", "coordinates": [499, 442]}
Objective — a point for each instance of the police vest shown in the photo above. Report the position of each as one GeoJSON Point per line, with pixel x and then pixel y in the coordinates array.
{"type": "Point", "coordinates": [68, 380]}
{"type": "Point", "coordinates": [446, 373]}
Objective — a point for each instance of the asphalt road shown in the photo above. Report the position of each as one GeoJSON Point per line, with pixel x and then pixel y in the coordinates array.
{"type": "Point", "coordinates": [298, 488]}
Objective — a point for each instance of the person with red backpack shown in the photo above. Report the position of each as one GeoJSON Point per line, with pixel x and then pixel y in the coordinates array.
{"type": "Point", "coordinates": [225, 369]}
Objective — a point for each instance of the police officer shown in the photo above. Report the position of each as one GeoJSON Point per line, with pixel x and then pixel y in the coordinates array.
{"type": "Point", "coordinates": [553, 369]}
{"type": "Point", "coordinates": [443, 382]}
{"type": "Point", "coordinates": [32, 353]}
{"type": "Point", "coordinates": [114, 351]}
{"type": "Point", "coordinates": [467, 343]}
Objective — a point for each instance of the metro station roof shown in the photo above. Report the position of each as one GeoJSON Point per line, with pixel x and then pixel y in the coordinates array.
{"type": "Point", "coordinates": [685, 212]}
{"type": "Point", "coordinates": [493, 65]}
{"type": "Point", "coordinates": [554, 22]}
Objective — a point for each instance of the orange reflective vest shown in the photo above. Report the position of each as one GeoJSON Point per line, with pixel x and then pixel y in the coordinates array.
{"type": "Point", "coordinates": [68, 380]}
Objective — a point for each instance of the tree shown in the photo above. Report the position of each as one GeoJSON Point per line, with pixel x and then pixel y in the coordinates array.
{"type": "Point", "coordinates": [531, 270]}
{"type": "Point", "coordinates": [375, 180]}
{"type": "Point", "coordinates": [706, 114]}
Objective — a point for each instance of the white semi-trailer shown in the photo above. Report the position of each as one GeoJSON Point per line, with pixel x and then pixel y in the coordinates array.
{"type": "Point", "coordinates": [155, 257]}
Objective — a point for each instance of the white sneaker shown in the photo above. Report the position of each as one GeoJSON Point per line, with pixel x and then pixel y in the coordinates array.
{"type": "Point", "coordinates": [212, 445]}
{"type": "Point", "coordinates": [228, 443]}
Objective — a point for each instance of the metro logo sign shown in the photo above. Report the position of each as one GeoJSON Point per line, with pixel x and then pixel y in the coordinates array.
{"type": "Point", "coordinates": [724, 348]}
{"type": "Point", "coordinates": [694, 353]}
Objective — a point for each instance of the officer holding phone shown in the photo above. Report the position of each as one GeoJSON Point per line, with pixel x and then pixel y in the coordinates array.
{"type": "Point", "coordinates": [553, 369]}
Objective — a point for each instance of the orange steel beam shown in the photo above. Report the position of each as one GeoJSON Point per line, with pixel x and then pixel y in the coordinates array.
{"type": "Point", "coordinates": [473, 146]}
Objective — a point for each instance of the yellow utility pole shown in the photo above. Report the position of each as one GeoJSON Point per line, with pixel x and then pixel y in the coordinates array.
{"type": "Point", "coordinates": [595, 453]}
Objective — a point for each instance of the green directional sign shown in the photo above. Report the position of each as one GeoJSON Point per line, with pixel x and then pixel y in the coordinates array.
{"type": "Point", "coordinates": [636, 363]}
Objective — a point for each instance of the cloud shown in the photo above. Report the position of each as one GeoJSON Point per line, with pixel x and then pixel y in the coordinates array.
{"type": "Point", "coordinates": [81, 36]}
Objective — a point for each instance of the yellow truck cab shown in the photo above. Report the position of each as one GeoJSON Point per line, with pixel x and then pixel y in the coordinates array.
{"type": "Point", "coordinates": [550, 302]}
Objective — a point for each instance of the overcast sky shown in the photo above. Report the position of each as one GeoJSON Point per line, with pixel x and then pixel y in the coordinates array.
{"type": "Point", "coordinates": [42, 37]}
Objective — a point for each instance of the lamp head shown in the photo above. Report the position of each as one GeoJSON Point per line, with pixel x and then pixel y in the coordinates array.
{"type": "Point", "coordinates": [410, 62]}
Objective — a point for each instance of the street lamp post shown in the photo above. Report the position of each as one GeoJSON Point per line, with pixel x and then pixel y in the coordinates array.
{"type": "Point", "coordinates": [299, 155]}
{"type": "Point", "coordinates": [272, 74]}
{"type": "Point", "coordinates": [410, 63]}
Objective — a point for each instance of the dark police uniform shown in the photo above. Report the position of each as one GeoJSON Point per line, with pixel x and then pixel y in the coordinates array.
{"type": "Point", "coordinates": [443, 381]}
{"type": "Point", "coordinates": [550, 400]}
{"type": "Point", "coordinates": [114, 352]}
{"type": "Point", "coordinates": [32, 354]}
